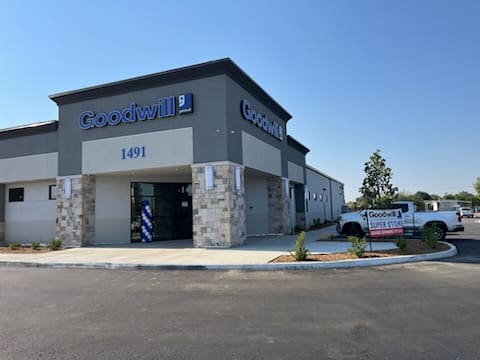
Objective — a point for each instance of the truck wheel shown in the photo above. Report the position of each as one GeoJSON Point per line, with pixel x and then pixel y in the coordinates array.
{"type": "Point", "coordinates": [355, 230]}
{"type": "Point", "coordinates": [439, 230]}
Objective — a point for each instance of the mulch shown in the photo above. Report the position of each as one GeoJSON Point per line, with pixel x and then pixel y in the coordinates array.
{"type": "Point", "coordinates": [23, 250]}
{"type": "Point", "coordinates": [414, 247]}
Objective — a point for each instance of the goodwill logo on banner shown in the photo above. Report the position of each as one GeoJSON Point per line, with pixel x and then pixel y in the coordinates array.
{"type": "Point", "coordinates": [385, 222]}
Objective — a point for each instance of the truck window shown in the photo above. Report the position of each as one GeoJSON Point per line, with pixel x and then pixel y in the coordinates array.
{"type": "Point", "coordinates": [403, 207]}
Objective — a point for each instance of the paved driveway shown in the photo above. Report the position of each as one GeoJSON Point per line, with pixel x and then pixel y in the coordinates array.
{"type": "Point", "coordinates": [467, 242]}
{"type": "Point", "coordinates": [415, 311]}
{"type": "Point", "coordinates": [425, 310]}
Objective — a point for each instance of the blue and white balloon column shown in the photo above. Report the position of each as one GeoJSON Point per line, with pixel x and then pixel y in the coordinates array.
{"type": "Point", "coordinates": [147, 228]}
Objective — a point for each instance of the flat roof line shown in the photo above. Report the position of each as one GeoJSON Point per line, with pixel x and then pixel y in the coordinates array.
{"type": "Point", "coordinates": [29, 126]}
{"type": "Point", "coordinates": [291, 141]}
{"type": "Point", "coordinates": [311, 168]}
{"type": "Point", "coordinates": [207, 69]}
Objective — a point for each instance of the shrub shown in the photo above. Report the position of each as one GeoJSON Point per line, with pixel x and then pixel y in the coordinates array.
{"type": "Point", "coordinates": [35, 245]}
{"type": "Point", "coordinates": [317, 222]}
{"type": "Point", "coordinates": [14, 246]}
{"type": "Point", "coordinates": [300, 252]}
{"type": "Point", "coordinates": [429, 236]}
{"type": "Point", "coordinates": [55, 244]}
{"type": "Point", "coordinates": [401, 243]}
{"type": "Point", "coordinates": [358, 246]}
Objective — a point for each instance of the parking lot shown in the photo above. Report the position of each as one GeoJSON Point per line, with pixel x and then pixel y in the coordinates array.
{"type": "Point", "coordinates": [467, 242]}
{"type": "Point", "coordinates": [426, 310]}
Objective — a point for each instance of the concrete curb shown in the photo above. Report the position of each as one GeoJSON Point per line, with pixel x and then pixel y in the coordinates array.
{"type": "Point", "coordinates": [306, 265]}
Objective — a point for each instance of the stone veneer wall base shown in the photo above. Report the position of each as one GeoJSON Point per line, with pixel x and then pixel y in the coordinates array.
{"type": "Point", "coordinates": [279, 206]}
{"type": "Point", "coordinates": [75, 224]}
{"type": "Point", "coordinates": [219, 219]}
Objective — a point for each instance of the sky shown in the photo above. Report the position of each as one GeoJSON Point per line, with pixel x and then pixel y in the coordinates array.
{"type": "Point", "coordinates": [357, 76]}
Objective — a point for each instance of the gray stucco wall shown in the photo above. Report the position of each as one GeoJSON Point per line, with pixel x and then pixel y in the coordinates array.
{"type": "Point", "coordinates": [28, 145]}
{"type": "Point", "coordinates": [236, 124]}
{"type": "Point", "coordinates": [2, 203]}
{"type": "Point", "coordinates": [295, 156]}
{"type": "Point", "coordinates": [298, 158]}
{"type": "Point", "coordinates": [207, 121]}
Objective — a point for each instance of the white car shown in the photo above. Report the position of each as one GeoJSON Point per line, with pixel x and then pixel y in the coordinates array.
{"type": "Point", "coordinates": [466, 212]}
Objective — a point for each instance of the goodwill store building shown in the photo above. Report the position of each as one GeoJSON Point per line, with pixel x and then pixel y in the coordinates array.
{"type": "Point", "coordinates": [199, 152]}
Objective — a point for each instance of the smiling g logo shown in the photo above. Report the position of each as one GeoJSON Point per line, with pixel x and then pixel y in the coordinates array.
{"type": "Point", "coordinates": [185, 103]}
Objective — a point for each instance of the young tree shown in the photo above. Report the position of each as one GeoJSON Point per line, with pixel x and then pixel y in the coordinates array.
{"type": "Point", "coordinates": [477, 186]}
{"type": "Point", "coordinates": [377, 188]}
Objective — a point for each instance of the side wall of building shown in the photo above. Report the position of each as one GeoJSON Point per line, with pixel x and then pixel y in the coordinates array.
{"type": "Point", "coordinates": [32, 219]}
{"type": "Point", "coordinates": [338, 198]}
{"type": "Point", "coordinates": [2, 212]}
{"type": "Point", "coordinates": [325, 197]}
{"type": "Point", "coordinates": [317, 198]}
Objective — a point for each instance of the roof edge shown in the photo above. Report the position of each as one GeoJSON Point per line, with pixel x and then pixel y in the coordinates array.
{"type": "Point", "coordinates": [297, 145]}
{"type": "Point", "coordinates": [311, 168]}
{"type": "Point", "coordinates": [207, 69]}
{"type": "Point", "coordinates": [29, 129]}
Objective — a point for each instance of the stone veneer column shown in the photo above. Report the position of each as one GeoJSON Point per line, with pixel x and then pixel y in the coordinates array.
{"type": "Point", "coordinates": [279, 206]}
{"type": "Point", "coordinates": [219, 218]}
{"type": "Point", "coordinates": [75, 224]}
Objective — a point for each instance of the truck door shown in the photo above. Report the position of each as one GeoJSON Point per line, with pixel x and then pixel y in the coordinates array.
{"type": "Point", "coordinates": [408, 218]}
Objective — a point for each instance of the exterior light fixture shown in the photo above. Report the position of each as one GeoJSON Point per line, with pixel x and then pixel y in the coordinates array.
{"type": "Point", "coordinates": [209, 177]}
{"type": "Point", "coordinates": [238, 177]}
{"type": "Point", "coordinates": [68, 188]}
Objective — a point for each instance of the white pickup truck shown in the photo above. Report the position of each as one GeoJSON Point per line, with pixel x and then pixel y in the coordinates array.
{"type": "Point", "coordinates": [413, 222]}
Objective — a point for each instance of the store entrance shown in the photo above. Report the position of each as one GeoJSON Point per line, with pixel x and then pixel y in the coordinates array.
{"type": "Point", "coordinates": [171, 205]}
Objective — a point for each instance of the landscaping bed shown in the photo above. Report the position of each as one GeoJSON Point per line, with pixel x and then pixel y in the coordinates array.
{"type": "Point", "coordinates": [34, 248]}
{"type": "Point", "coordinates": [23, 250]}
{"type": "Point", "coordinates": [414, 247]}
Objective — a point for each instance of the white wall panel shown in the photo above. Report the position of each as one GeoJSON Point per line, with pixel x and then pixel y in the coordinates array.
{"type": "Point", "coordinates": [260, 155]}
{"type": "Point", "coordinates": [295, 173]}
{"type": "Point", "coordinates": [162, 148]}
{"type": "Point", "coordinates": [27, 168]}
{"type": "Point", "coordinates": [32, 219]}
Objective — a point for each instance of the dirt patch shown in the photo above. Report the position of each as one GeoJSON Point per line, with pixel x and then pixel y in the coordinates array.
{"type": "Point", "coordinates": [414, 247]}
{"type": "Point", "coordinates": [23, 250]}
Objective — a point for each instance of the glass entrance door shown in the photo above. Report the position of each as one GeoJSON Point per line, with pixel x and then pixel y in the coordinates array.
{"type": "Point", "coordinates": [171, 205]}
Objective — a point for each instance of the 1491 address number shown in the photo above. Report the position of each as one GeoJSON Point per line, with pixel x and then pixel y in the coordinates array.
{"type": "Point", "coordinates": [133, 152]}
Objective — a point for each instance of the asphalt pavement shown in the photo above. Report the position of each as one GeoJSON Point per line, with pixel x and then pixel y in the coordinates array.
{"type": "Point", "coordinates": [467, 243]}
{"type": "Point", "coordinates": [426, 310]}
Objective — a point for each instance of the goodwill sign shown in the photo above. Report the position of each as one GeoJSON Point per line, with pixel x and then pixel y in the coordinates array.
{"type": "Point", "coordinates": [385, 222]}
{"type": "Point", "coordinates": [164, 107]}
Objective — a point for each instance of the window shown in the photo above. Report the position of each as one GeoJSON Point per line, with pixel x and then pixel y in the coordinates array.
{"type": "Point", "coordinates": [15, 194]}
{"type": "Point", "coordinates": [403, 207]}
{"type": "Point", "coordinates": [314, 196]}
{"type": "Point", "coordinates": [52, 192]}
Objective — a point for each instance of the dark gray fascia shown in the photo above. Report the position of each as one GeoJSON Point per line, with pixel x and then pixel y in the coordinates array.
{"type": "Point", "coordinates": [297, 145]}
{"type": "Point", "coordinates": [31, 129]}
{"type": "Point", "coordinates": [212, 68]}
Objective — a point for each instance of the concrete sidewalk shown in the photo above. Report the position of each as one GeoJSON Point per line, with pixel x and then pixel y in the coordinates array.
{"type": "Point", "coordinates": [255, 254]}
